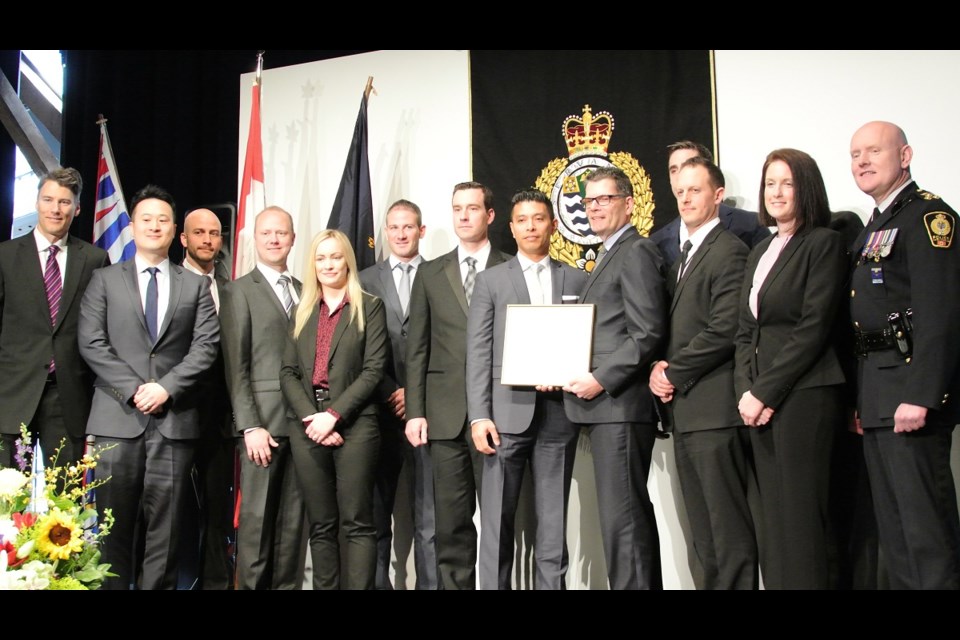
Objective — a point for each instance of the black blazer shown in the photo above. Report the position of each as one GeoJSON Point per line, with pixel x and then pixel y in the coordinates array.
{"type": "Point", "coordinates": [437, 346]}
{"type": "Point", "coordinates": [28, 341]}
{"type": "Point", "coordinates": [355, 364]}
{"type": "Point", "coordinates": [790, 346]}
{"type": "Point", "coordinates": [704, 317]}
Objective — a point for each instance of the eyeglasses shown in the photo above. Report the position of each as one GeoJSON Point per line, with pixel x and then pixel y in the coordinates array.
{"type": "Point", "coordinates": [602, 201]}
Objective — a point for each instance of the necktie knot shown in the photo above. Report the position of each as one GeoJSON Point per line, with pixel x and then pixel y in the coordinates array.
{"type": "Point", "coordinates": [53, 251]}
{"type": "Point", "coordinates": [153, 271]}
{"type": "Point", "coordinates": [601, 252]}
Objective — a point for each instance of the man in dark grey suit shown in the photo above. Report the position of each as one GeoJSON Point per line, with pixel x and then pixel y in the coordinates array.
{"type": "Point", "coordinates": [256, 311]}
{"type": "Point", "coordinates": [436, 396]}
{"type": "Point", "coordinates": [516, 425]}
{"type": "Point", "coordinates": [44, 383]}
{"type": "Point", "coordinates": [391, 281]}
{"type": "Point", "coordinates": [149, 331]}
{"type": "Point", "coordinates": [695, 380]}
{"type": "Point", "coordinates": [202, 241]}
{"type": "Point", "coordinates": [612, 400]}
{"type": "Point", "coordinates": [743, 224]}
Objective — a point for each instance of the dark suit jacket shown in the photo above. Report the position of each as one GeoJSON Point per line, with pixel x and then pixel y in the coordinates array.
{"type": "Point", "coordinates": [790, 345]}
{"type": "Point", "coordinates": [704, 316]}
{"type": "Point", "coordinates": [437, 346]}
{"type": "Point", "coordinates": [255, 333]}
{"type": "Point", "coordinates": [114, 341]}
{"type": "Point", "coordinates": [743, 224]}
{"type": "Point", "coordinates": [631, 320]}
{"type": "Point", "coordinates": [28, 341]}
{"type": "Point", "coordinates": [355, 364]}
{"type": "Point", "coordinates": [510, 408]}
{"type": "Point", "coordinates": [378, 280]}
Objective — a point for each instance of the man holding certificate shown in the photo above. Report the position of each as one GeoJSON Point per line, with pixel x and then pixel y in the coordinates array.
{"type": "Point", "coordinates": [513, 425]}
{"type": "Point", "coordinates": [627, 287]}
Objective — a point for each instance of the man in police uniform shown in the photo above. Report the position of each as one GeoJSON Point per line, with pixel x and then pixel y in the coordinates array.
{"type": "Point", "coordinates": [904, 302]}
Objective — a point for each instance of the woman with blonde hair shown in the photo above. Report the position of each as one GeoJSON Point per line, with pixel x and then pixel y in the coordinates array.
{"type": "Point", "coordinates": [330, 372]}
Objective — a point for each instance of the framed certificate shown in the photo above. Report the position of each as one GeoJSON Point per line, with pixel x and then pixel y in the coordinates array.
{"type": "Point", "coordinates": [546, 344]}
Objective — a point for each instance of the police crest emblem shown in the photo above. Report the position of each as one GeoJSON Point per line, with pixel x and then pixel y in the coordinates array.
{"type": "Point", "coordinates": [587, 138]}
{"type": "Point", "coordinates": [939, 228]}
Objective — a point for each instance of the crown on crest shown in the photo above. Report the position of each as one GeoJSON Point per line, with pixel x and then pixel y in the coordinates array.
{"type": "Point", "coordinates": [589, 134]}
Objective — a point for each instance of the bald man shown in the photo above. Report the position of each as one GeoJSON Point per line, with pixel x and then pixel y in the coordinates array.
{"type": "Point", "coordinates": [904, 303]}
{"type": "Point", "coordinates": [202, 242]}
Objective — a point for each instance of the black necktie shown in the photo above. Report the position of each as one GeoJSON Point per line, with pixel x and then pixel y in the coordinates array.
{"type": "Point", "coordinates": [150, 308]}
{"type": "Point", "coordinates": [683, 258]}
{"type": "Point", "coordinates": [876, 214]}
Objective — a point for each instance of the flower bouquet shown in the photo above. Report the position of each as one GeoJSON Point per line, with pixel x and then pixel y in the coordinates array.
{"type": "Point", "coordinates": [49, 534]}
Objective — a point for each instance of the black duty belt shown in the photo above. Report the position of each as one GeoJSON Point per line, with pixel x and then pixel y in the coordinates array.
{"type": "Point", "coordinates": [879, 340]}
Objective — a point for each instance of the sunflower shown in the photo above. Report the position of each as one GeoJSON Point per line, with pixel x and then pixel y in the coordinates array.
{"type": "Point", "coordinates": [58, 535]}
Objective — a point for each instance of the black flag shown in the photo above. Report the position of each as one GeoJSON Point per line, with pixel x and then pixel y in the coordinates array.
{"type": "Point", "coordinates": [353, 208]}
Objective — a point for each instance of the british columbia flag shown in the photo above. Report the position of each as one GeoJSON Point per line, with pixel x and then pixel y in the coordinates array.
{"type": "Point", "coordinates": [111, 226]}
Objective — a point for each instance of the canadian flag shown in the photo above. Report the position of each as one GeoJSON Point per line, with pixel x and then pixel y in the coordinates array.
{"type": "Point", "coordinates": [252, 199]}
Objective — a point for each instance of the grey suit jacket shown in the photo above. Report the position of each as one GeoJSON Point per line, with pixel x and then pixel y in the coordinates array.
{"type": "Point", "coordinates": [631, 320]}
{"type": "Point", "coordinates": [255, 333]}
{"type": "Point", "coordinates": [28, 341]}
{"type": "Point", "coordinates": [510, 408]}
{"type": "Point", "coordinates": [437, 346]}
{"type": "Point", "coordinates": [378, 280]}
{"type": "Point", "coordinates": [114, 341]}
{"type": "Point", "coordinates": [704, 316]}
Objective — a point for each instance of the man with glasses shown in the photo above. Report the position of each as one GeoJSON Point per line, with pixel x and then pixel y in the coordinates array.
{"type": "Point", "coordinates": [627, 286]}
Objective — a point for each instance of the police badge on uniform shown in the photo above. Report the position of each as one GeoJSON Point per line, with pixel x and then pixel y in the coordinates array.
{"type": "Point", "coordinates": [562, 180]}
{"type": "Point", "coordinates": [940, 228]}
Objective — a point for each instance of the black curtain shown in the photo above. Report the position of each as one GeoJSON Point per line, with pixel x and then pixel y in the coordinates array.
{"type": "Point", "coordinates": [173, 118]}
{"type": "Point", "coordinates": [520, 99]}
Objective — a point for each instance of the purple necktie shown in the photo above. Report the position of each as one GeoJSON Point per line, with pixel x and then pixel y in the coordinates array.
{"type": "Point", "coordinates": [54, 287]}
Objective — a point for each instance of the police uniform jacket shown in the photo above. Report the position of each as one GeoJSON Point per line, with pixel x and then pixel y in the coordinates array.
{"type": "Point", "coordinates": [907, 259]}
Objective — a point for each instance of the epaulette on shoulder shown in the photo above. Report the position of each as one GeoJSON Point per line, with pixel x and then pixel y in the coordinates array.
{"type": "Point", "coordinates": [926, 195]}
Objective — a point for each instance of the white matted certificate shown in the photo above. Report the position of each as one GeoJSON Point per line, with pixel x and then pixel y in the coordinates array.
{"type": "Point", "coordinates": [546, 344]}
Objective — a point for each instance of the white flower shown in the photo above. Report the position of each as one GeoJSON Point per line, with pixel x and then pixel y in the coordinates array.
{"type": "Point", "coordinates": [25, 550]}
{"type": "Point", "coordinates": [8, 530]}
{"type": "Point", "coordinates": [11, 482]}
{"type": "Point", "coordinates": [36, 575]}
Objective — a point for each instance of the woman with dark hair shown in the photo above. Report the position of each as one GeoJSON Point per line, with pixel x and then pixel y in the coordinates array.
{"type": "Point", "coordinates": [329, 375]}
{"type": "Point", "coordinates": [788, 376]}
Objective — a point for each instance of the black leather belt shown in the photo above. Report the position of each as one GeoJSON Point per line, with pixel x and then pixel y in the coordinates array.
{"type": "Point", "coordinates": [321, 394]}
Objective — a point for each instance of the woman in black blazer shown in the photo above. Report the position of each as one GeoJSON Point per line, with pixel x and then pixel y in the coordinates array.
{"type": "Point", "coordinates": [788, 378]}
{"type": "Point", "coordinates": [329, 375]}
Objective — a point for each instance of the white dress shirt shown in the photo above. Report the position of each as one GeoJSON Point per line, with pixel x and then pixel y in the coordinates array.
{"type": "Point", "coordinates": [163, 287]}
{"type": "Point", "coordinates": [43, 246]}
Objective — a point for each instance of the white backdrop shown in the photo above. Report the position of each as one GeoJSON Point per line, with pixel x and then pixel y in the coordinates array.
{"type": "Point", "coordinates": [419, 126]}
